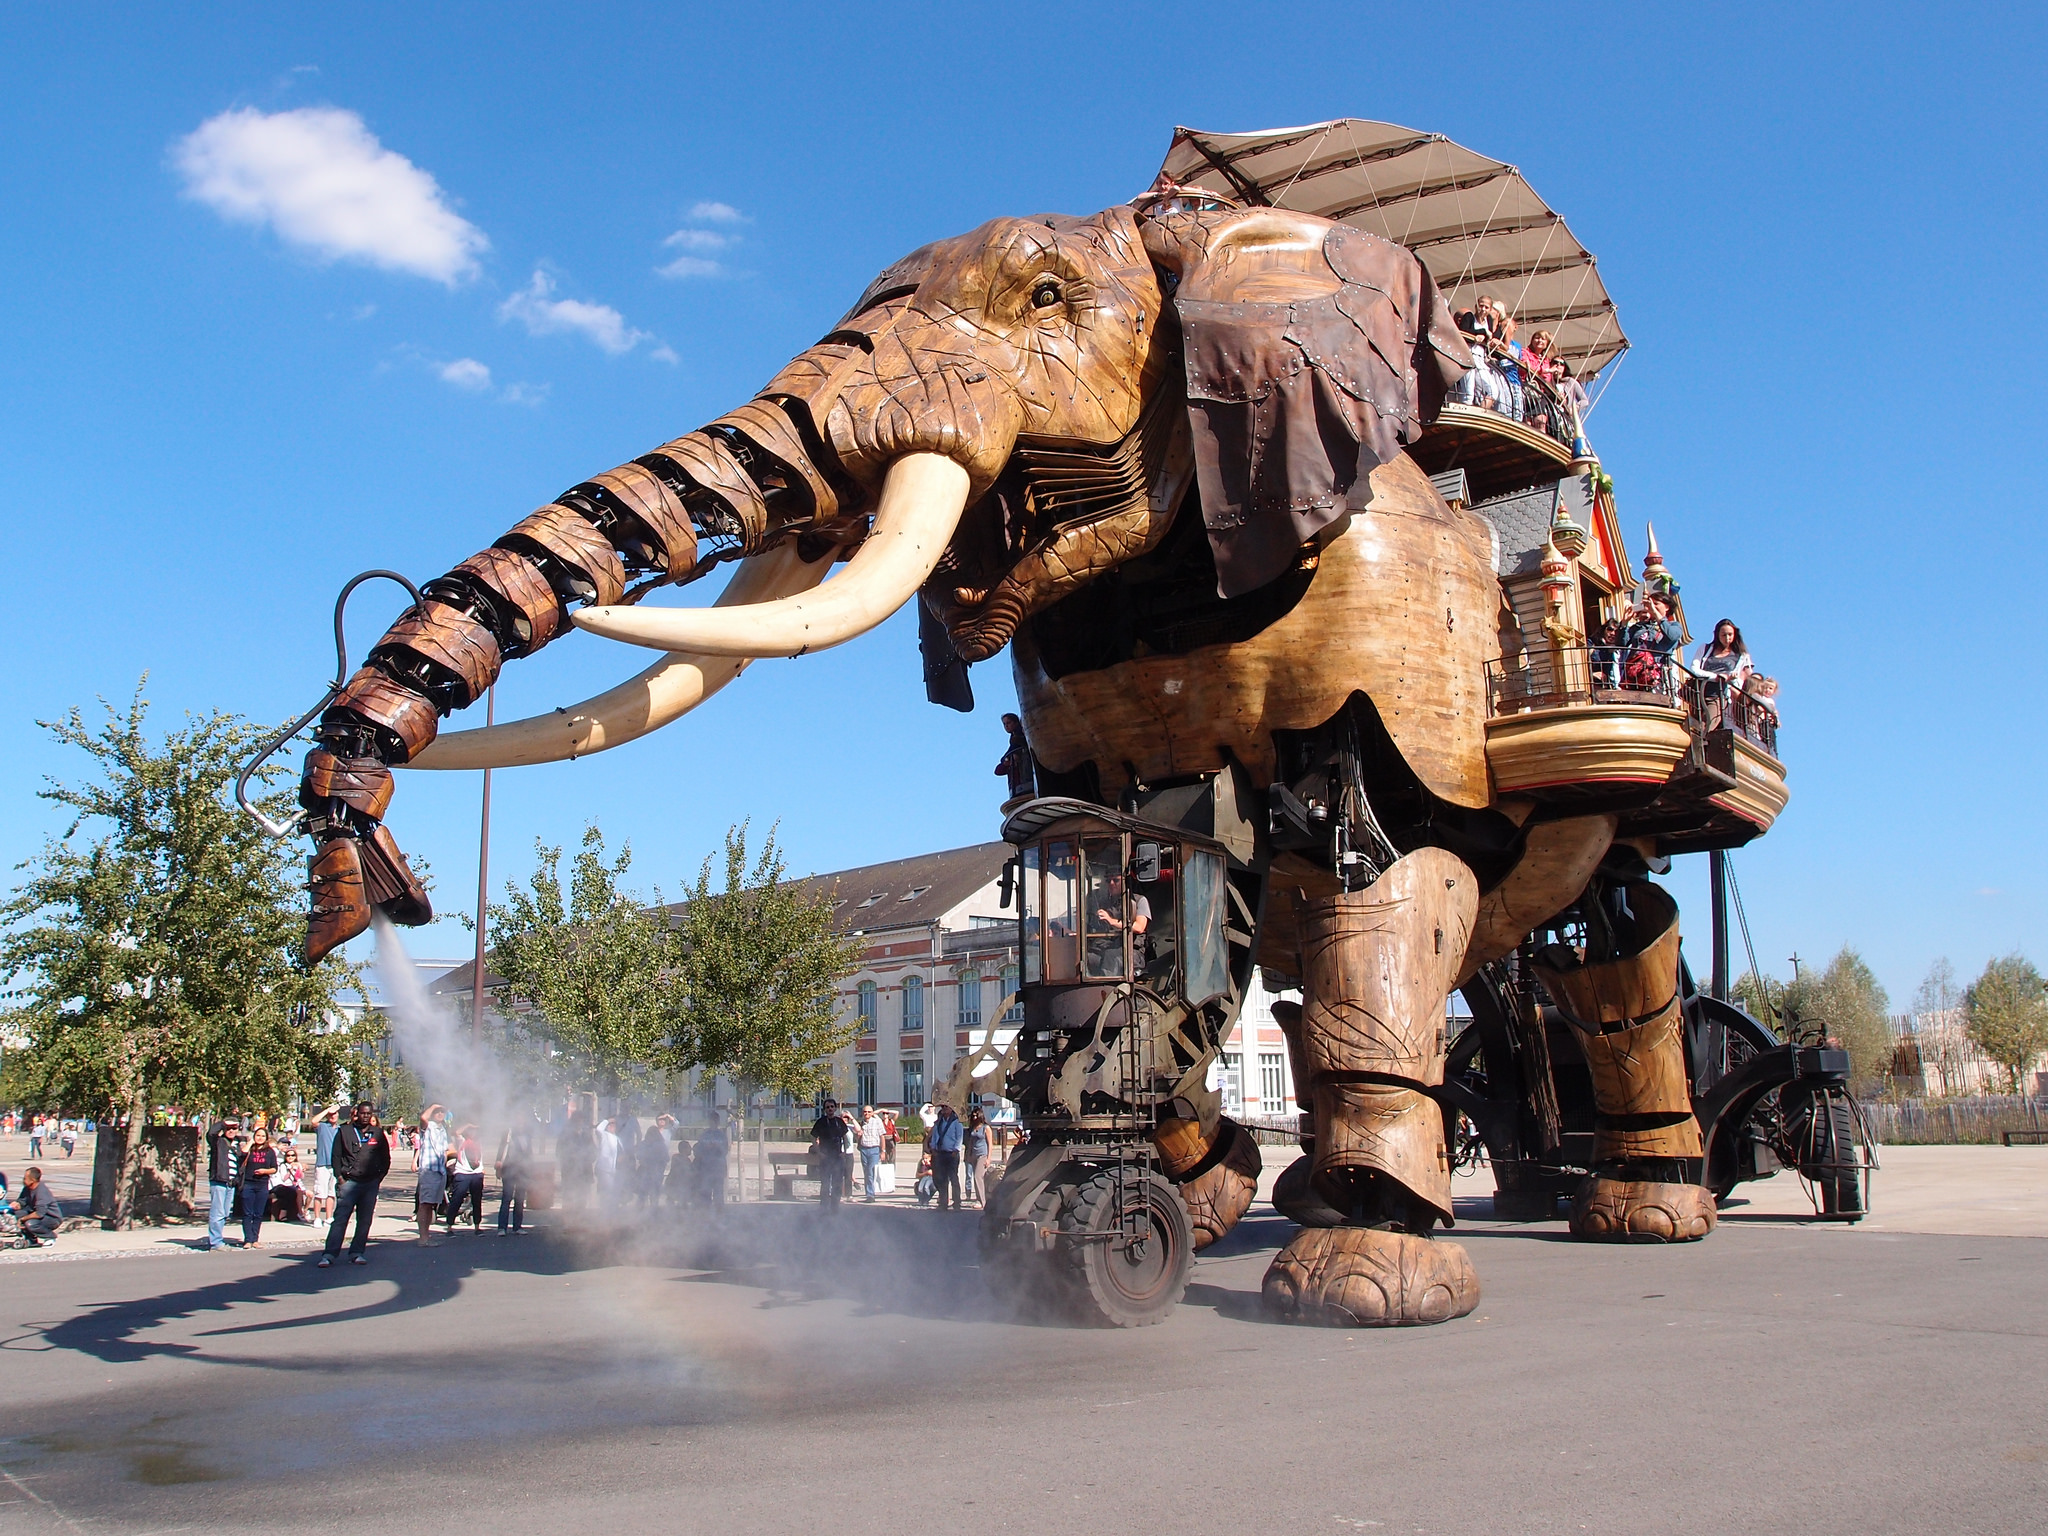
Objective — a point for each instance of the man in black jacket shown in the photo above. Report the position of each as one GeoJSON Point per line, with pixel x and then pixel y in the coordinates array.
{"type": "Point", "coordinates": [223, 1175]}
{"type": "Point", "coordinates": [362, 1156]}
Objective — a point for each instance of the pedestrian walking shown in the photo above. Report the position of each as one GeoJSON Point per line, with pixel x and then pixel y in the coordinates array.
{"type": "Point", "coordinates": [978, 1149]}
{"type": "Point", "coordinates": [607, 1164]}
{"type": "Point", "coordinates": [68, 1137]}
{"type": "Point", "coordinates": [682, 1176]}
{"type": "Point", "coordinates": [430, 1157]}
{"type": "Point", "coordinates": [709, 1166]}
{"type": "Point", "coordinates": [947, 1136]}
{"type": "Point", "coordinates": [873, 1131]}
{"type": "Point", "coordinates": [465, 1180]}
{"type": "Point", "coordinates": [223, 1177]}
{"type": "Point", "coordinates": [829, 1137]}
{"type": "Point", "coordinates": [258, 1168]}
{"type": "Point", "coordinates": [36, 1210]}
{"type": "Point", "coordinates": [362, 1156]}
{"type": "Point", "coordinates": [514, 1166]}
{"type": "Point", "coordinates": [35, 1137]}
{"type": "Point", "coordinates": [326, 1125]}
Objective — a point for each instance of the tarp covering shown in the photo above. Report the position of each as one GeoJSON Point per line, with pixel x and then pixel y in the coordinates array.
{"type": "Point", "coordinates": [1474, 222]}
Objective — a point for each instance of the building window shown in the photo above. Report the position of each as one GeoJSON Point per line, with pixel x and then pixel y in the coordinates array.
{"type": "Point", "coordinates": [913, 1004]}
{"type": "Point", "coordinates": [864, 1081]}
{"type": "Point", "coordinates": [864, 1005]}
{"type": "Point", "coordinates": [970, 999]}
{"type": "Point", "coordinates": [1015, 1015]}
{"type": "Point", "coordinates": [1231, 1083]}
{"type": "Point", "coordinates": [1272, 1080]}
{"type": "Point", "coordinates": [913, 1084]}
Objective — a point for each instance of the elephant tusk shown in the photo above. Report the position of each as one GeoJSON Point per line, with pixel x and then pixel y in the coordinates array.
{"type": "Point", "coordinates": [669, 689]}
{"type": "Point", "coordinates": [922, 500]}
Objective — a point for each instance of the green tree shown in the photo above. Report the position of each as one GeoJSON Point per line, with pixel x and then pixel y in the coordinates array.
{"type": "Point", "coordinates": [595, 964]}
{"type": "Point", "coordinates": [2007, 1015]}
{"type": "Point", "coordinates": [1761, 997]}
{"type": "Point", "coordinates": [756, 966]}
{"type": "Point", "coordinates": [159, 962]}
{"type": "Point", "coordinates": [1847, 1007]}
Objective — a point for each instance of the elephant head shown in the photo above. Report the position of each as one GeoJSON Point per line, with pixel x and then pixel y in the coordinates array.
{"type": "Point", "coordinates": [1000, 419]}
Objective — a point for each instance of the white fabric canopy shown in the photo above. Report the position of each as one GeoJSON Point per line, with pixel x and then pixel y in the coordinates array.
{"type": "Point", "coordinates": [1474, 223]}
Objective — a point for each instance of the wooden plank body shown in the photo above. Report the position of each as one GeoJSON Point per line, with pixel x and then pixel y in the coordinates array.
{"type": "Point", "coordinates": [1402, 609]}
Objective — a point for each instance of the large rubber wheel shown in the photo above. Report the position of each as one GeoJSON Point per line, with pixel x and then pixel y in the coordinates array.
{"type": "Point", "coordinates": [1836, 1157]}
{"type": "Point", "coordinates": [1118, 1281]}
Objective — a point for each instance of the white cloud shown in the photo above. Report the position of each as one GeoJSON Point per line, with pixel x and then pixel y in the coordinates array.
{"type": "Point", "coordinates": [525, 394]}
{"type": "Point", "coordinates": [664, 354]}
{"type": "Point", "coordinates": [465, 373]}
{"type": "Point", "coordinates": [320, 178]}
{"type": "Point", "coordinates": [717, 213]}
{"type": "Point", "coordinates": [536, 307]}
{"type": "Point", "coordinates": [702, 240]}
{"type": "Point", "coordinates": [691, 266]}
{"type": "Point", "coordinates": [699, 240]}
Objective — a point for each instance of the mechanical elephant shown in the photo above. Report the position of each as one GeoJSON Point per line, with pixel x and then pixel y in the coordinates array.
{"type": "Point", "coordinates": [1157, 453]}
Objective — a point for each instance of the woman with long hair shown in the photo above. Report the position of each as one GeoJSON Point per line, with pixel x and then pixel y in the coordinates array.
{"type": "Point", "coordinates": [978, 1148]}
{"type": "Point", "coordinates": [259, 1165]}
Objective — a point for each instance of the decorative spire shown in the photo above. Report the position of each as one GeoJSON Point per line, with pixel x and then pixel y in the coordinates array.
{"type": "Point", "coordinates": [1656, 576]}
{"type": "Point", "coordinates": [1567, 536]}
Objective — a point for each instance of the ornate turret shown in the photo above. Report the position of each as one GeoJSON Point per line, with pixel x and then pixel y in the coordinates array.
{"type": "Point", "coordinates": [1656, 576]}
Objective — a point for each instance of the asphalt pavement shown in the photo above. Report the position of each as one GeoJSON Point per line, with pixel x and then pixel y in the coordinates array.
{"type": "Point", "coordinates": [791, 1371]}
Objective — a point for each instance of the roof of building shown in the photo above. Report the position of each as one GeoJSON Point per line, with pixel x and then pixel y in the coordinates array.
{"type": "Point", "coordinates": [1522, 522]}
{"type": "Point", "coordinates": [903, 893]}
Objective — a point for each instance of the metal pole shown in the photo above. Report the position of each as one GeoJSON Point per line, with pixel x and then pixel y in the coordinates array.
{"type": "Point", "coordinates": [1717, 874]}
{"type": "Point", "coordinates": [483, 886]}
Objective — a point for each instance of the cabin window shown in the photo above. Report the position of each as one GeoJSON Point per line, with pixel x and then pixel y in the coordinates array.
{"type": "Point", "coordinates": [1062, 917]}
{"type": "Point", "coordinates": [1104, 917]}
{"type": "Point", "coordinates": [1204, 902]}
{"type": "Point", "coordinates": [1029, 909]}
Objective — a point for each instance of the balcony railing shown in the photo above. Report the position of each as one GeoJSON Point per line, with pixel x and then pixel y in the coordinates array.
{"type": "Point", "coordinates": [1552, 678]}
{"type": "Point", "coordinates": [1531, 400]}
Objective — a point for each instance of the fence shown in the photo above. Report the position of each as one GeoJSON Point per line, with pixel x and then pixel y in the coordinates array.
{"type": "Point", "coordinates": [1952, 1122]}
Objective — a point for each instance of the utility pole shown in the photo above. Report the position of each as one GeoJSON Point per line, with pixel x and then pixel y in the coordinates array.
{"type": "Point", "coordinates": [483, 886]}
{"type": "Point", "coordinates": [1717, 874]}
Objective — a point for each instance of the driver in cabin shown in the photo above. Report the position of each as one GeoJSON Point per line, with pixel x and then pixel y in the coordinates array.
{"type": "Point", "coordinates": [1141, 918]}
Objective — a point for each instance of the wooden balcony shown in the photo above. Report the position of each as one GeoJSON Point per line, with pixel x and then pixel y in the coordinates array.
{"type": "Point", "coordinates": [1498, 455]}
{"type": "Point", "coordinates": [1676, 762]}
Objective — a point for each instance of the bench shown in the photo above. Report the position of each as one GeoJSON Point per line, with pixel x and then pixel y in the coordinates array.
{"type": "Point", "coordinates": [2034, 1138]}
{"type": "Point", "coordinates": [787, 1171]}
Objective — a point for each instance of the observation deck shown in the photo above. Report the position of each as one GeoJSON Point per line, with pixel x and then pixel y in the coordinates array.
{"type": "Point", "coordinates": [1686, 760]}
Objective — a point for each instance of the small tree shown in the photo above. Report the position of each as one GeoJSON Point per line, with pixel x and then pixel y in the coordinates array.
{"type": "Point", "coordinates": [596, 967]}
{"type": "Point", "coordinates": [1942, 1045]}
{"type": "Point", "coordinates": [2008, 1015]}
{"type": "Point", "coordinates": [1845, 1005]}
{"type": "Point", "coordinates": [160, 962]}
{"type": "Point", "coordinates": [1761, 997]}
{"type": "Point", "coordinates": [756, 967]}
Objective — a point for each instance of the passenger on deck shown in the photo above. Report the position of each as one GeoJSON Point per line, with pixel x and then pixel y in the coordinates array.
{"type": "Point", "coordinates": [1763, 693]}
{"type": "Point", "coordinates": [1482, 385]}
{"type": "Point", "coordinates": [1539, 401]}
{"type": "Point", "coordinates": [1606, 654]}
{"type": "Point", "coordinates": [1572, 404]}
{"type": "Point", "coordinates": [1651, 645]}
{"type": "Point", "coordinates": [1507, 357]}
{"type": "Point", "coordinates": [1725, 657]}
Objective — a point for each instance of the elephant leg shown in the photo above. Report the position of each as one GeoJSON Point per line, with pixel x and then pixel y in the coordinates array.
{"type": "Point", "coordinates": [1626, 1015]}
{"type": "Point", "coordinates": [1218, 1174]}
{"type": "Point", "coordinates": [1376, 967]}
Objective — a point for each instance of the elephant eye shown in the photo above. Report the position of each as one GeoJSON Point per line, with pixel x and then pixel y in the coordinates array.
{"type": "Point", "coordinates": [1045, 295]}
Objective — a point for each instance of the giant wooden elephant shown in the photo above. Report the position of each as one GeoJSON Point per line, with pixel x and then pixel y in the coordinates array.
{"type": "Point", "coordinates": [1158, 453]}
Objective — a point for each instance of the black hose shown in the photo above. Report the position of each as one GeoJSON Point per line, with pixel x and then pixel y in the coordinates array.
{"type": "Point", "coordinates": [333, 688]}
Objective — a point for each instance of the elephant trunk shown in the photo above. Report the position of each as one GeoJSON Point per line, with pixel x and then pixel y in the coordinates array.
{"type": "Point", "coordinates": [757, 484]}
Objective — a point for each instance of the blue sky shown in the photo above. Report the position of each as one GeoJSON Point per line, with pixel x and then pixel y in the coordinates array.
{"type": "Point", "coordinates": [592, 228]}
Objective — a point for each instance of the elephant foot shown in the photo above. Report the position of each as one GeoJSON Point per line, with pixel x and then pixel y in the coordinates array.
{"type": "Point", "coordinates": [1218, 1199]}
{"type": "Point", "coordinates": [1295, 1197]}
{"type": "Point", "coordinates": [1363, 1277]}
{"type": "Point", "coordinates": [1629, 1210]}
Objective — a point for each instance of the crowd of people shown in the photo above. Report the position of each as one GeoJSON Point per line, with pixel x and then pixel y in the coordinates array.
{"type": "Point", "coordinates": [1526, 382]}
{"type": "Point", "coordinates": [256, 1172]}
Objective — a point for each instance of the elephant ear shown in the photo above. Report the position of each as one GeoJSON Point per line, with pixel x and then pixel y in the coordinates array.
{"type": "Point", "coordinates": [1314, 353]}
